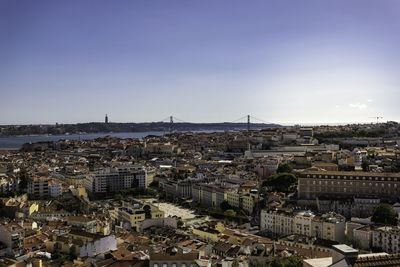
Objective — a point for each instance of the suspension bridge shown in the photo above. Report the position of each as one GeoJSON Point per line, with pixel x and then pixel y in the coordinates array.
{"type": "Point", "coordinates": [247, 119]}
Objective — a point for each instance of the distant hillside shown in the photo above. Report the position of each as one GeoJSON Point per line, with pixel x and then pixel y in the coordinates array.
{"type": "Point", "coordinates": [97, 127]}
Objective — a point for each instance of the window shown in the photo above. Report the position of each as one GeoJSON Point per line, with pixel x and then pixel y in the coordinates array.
{"type": "Point", "coordinates": [165, 265]}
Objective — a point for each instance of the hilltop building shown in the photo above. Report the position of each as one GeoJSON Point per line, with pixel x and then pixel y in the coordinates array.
{"type": "Point", "coordinates": [116, 179]}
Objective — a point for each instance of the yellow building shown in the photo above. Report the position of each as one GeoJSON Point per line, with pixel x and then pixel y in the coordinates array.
{"type": "Point", "coordinates": [82, 192]}
{"type": "Point", "coordinates": [245, 201]}
{"type": "Point", "coordinates": [206, 234]}
{"type": "Point", "coordinates": [103, 227]}
{"type": "Point", "coordinates": [220, 227]}
{"type": "Point", "coordinates": [248, 203]}
{"type": "Point", "coordinates": [33, 207]}
{"type": "Point", "coordinates": [132, 214]}
{"type": "Point", "coordinates": [233, 198]}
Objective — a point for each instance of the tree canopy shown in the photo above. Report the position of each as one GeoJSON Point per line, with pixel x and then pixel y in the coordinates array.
{"type": "Point", "coordinates": [230, 213]}
{"type": "Point", "coordinates": [225, 206]}
{"type": "Point", "coordinates": [292, 261]}
{"type": "Point", "coordinates": [281, 182]}
{"type": "Point", "coordinates": [285, 167]}
{"type": "Point", "coordinates": [385, 214]}
{"type": "Point", "coordinates": [23, 179]}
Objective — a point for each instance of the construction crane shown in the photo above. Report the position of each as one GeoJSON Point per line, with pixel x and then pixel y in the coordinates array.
{"type": "Point", "coordinates": [377, 118]}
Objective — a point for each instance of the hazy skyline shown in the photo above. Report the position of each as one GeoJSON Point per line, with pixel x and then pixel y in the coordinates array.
{"type": "Point", "coordinates": [202, 61]}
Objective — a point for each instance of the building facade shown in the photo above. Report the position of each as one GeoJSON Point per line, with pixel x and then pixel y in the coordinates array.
{"type": "Point", "coordinates": [12, 236]}
{"type": "Point", "coordinates": [39, 188]}
{"type": "Point", "coordinates": [328, 226]}
{"type": "Point", "coordinates": [116, 179]}
{"type": "Point", "coordinates": [386, 239]}
{"type": "Point", "coordinates": [317, 183]}
{"type": "Point", "coordinates": [132, 214]}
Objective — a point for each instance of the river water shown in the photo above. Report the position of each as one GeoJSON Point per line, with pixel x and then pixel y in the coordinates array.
{"type": "Point", "coordinates": [16, 142]}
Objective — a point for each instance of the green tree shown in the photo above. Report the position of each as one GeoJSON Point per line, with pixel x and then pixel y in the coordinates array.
{"type": "Point", "coordinates": [276, 263]}
{"type": "Point", "coordinates": [365, 165]}
{"type": "Point", "coordinates": [118, 197]}
{"type": "Point", "coordinates": [225, 206]}
{"type": "Point", "coordinates": [385, 214]}
{"type": "Point", "coordinates": [291, 261]}
{"type": "Point", "coordinates": [282, 182]}
{"type": "Point", "coordinates": [285, 168]}
{"type": "Point", "coordinates": [154, 184]}
{"type": "Point", "coordinates": [294, 261]}
{"type": "Point", "coordinates": [72, 253]}
{"type": "Point", "coordinates": [3, 212]}
{"type": "Point", "coordinates": [23, 179]}
{"type": "Point", "coordinates": [147, 211]}
{"type": "Point", "coordinates": [230, 214]}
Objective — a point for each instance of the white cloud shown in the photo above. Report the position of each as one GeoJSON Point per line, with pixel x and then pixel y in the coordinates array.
{"type": "Point", "coordinates": [359, 106]}
{"type": "Point", "coordinates": [370, 101]}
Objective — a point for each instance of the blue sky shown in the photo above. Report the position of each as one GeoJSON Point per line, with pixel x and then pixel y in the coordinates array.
{"type": "Point", "coordinates": [202, 61]}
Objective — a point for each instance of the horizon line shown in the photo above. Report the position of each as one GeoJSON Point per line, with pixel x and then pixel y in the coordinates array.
{"type": "Point", "coordinates": [182, 122]}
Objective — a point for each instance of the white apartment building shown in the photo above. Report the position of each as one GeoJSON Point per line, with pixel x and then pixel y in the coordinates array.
{"type": "Point", "coordinates": [11, 235]}
{"type": "Point", "coordinates": [99, 246]}
{"type": "Point", "coordinates": [386, 238]}
{"type": "Point", "coordinates": [177, 189]}
{"type": "Point", "coordinates": [280, 222]}
{"type": "Point", "coordinates": [302, 223]}
{"type": "Point", "coordinates": [362, 236]}
{"type": "Point", "coordinates": [115, 179]}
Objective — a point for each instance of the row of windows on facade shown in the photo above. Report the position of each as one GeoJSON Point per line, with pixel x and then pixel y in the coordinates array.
{"type": "Point", "coordinates": [350, 183]}
{"type": "Point", "coordinates": [351, 177]}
